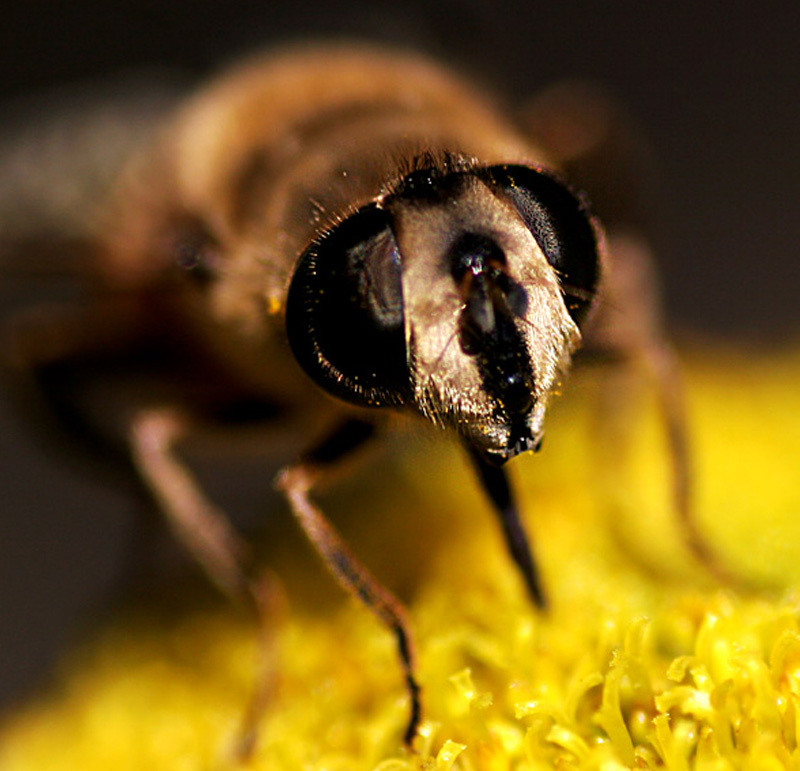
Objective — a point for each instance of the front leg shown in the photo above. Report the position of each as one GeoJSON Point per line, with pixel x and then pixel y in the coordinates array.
{"type": "Point", "coordinates": [627, 333]}
{"type": "Point", "coordinates": [494, 481]}
{"type": "Point", "coordinates": [590, 136]}
{"type": "Point", "coordinates": [209, 536]}
{"type": "Point", "coordinates": [202, 528]}
{"type": "Point", "coordinates": [296, 482]}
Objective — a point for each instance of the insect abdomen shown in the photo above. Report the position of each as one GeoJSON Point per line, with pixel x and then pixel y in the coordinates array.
{"type": "Point", "coordinates": [286, 144]}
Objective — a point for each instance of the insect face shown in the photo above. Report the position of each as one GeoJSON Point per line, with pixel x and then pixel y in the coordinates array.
{"type": "Point", "coordinates": [457, 294]}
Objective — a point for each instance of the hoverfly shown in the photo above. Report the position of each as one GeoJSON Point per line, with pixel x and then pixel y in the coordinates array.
{"type": "Point", "coordinates": [339, 232]}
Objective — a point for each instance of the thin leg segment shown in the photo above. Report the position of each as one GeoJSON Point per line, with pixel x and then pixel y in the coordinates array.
{"type": "Point", "coordinates": [296, 482]}
{"type": "Point", "coordinates": [209, 536]}
{"type": "Point", "coordinates": [666, 375]}
{"type": "Point", "coordinates": [603, 153]}
{"type": "Point", "coordinates": [200, 526]}
{"type": "Point", "coordinates": [658, 363]}
{"type": "Point", "coordinates": [495, 482]}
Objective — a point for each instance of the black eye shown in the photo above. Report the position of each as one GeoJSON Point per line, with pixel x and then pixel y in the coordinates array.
{"type": "Point", "coordinates": [561, 225]}
{"type": "Point", "coordinates": [344, 312]}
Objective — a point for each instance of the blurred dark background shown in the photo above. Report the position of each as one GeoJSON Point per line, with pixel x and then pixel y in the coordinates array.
{"type": "Point", "coordinates": [715, 90]}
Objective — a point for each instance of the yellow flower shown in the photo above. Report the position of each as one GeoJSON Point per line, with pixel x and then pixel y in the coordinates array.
{"type": "Point", "coordinates": [641, 662]}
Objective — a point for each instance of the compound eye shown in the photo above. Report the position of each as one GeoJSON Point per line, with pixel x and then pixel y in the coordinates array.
{"type": "Point", "coordinates": [562, 226]}
{"type": "Point", "coordinates": [344, 312]}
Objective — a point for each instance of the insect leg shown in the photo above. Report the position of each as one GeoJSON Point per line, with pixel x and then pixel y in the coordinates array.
{"type": "Point", "coordinates": [199, 525]}
{"type": "Point", "coordinates": [601, 150]}
{"type": "Point", "coordinates": [663, 368]}
{"type": "Point", "coordinates": [628, 333]}
{"type": "Point", "coordinates": [42, 351]}
{"type": "Point", "coordinates": [496, 485]}
{"type": "Point", "coordinates": [207, 533]}
{"type": "Point", "coordinates": [296, 482]}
